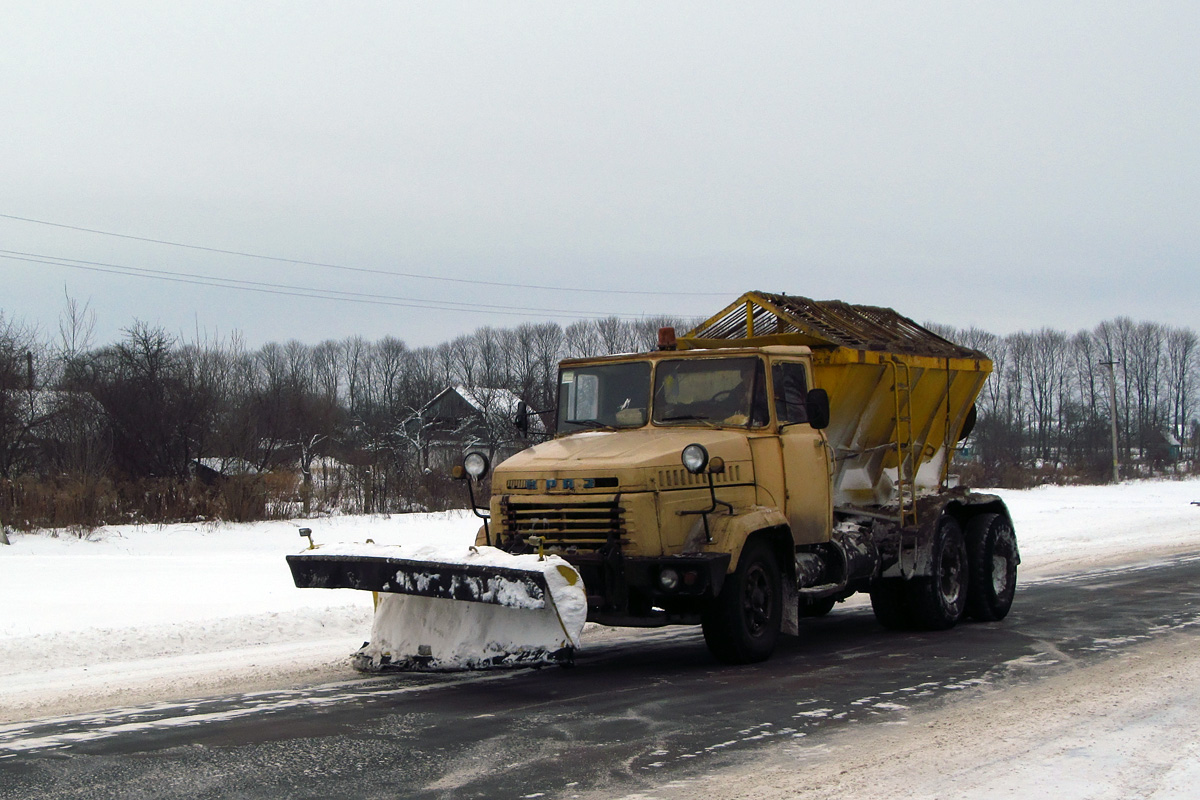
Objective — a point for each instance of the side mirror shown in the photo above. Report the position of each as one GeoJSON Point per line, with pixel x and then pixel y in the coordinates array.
{"type": "Point", "coordinates": [521, 420]}
{"type": "Point", "coordinates": [817, 405]}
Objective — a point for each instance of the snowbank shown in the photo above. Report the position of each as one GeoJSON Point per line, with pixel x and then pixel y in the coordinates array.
{"type": "Point", "coordinates": [140, 613]}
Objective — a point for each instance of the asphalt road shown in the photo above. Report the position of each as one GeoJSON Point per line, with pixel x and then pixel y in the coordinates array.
{"type": "Point", "coordinates": [638, 710]}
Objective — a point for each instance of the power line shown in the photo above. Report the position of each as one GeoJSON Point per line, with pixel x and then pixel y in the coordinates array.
{"type": "Point", "coordinates": [240, 283]}
{"type": "Point", "coordinates": [297, 291]}
{"type": "Point", "coordinates": [367, 270]}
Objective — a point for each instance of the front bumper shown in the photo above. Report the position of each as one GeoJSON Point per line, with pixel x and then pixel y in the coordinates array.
{"type": "Point", "coordinates": [632, 586]}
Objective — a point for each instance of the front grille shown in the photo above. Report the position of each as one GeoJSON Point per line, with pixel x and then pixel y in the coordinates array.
{"type": "Point", "coordinates": [582, 526]}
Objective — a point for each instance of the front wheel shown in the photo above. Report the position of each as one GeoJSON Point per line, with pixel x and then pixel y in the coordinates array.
{"type": "Point", "coordinates": [742, 623]}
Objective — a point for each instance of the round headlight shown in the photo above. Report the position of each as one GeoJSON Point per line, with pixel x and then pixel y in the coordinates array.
{"type": "Point", "coordinates": [476, 465]}
{"type": "Point", "coordinates": [668, 579]}
{"type": "Point", "coordinates": [695, 458]}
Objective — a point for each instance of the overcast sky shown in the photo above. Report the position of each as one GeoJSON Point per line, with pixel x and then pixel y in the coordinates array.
{"type": "Point", "coordinates": [1007, 165]}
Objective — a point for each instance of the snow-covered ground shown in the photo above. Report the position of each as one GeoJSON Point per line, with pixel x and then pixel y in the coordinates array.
{"type": "Point", "coordinates": [139, 614]}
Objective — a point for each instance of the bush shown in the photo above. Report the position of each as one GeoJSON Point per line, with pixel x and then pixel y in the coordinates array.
{"type": "Point", "coordinates": [84, 504]}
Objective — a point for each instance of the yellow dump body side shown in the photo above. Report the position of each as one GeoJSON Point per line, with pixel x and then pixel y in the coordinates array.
{"type": "Point", "coordinates": [885, 405]}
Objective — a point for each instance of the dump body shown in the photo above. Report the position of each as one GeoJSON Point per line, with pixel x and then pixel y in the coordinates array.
{"type": "Point", "coordinates": [892, 407]}
{"type": "Point", "coordinates": [900, 396]}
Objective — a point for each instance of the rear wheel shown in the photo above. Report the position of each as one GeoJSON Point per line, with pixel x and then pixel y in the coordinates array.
{"type": "Point", "coordinates": [939, 601]}
{"type": "Point", "coordinates": [992, 556]}
{"type": "Point", "coordinates": [742, 624]}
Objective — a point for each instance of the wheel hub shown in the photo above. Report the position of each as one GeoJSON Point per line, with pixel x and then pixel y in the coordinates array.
{"type": "Point", "coordinates": [757, 601]}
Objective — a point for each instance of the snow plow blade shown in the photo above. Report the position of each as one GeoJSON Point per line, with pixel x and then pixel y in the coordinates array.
{"type": "Point", "coordinates": [470, 583]}
{"type": "Point", "coordinates": [442, 609]}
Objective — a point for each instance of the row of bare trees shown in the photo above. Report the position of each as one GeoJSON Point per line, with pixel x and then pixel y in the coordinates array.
{"type": "Point", "coordinates": [155, 427]}
{"type": "Point", "coordinates": [1046, 413]}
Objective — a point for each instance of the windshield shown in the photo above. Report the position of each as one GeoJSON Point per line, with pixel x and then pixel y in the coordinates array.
{"type": "Point", "coordinates": [717, 391]}
{"type": "Point", "coordinates": [603, 397]}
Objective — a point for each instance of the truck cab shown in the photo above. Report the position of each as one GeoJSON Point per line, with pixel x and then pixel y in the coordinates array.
{"type": "Point", "coordinates": [626, 490]}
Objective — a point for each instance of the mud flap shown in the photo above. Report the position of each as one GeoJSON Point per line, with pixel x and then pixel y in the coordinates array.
{"type": "Point", "coordinates": [791, 607]}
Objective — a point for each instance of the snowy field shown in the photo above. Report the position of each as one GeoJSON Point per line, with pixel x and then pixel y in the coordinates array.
{"type": "Point", "coordinates": [141, 614]}
{"type": "Point", "coordinates": [135, 614]}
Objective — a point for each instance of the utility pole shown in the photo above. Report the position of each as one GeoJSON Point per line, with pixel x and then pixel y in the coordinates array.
{"type": "Point", "coordinates": [1112, 400]}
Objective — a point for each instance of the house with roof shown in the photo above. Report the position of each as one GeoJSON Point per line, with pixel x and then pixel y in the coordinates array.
{"type": "Point", "coordinates": [461, 419]}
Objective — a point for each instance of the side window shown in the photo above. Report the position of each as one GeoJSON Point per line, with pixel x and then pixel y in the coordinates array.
{"type": "Point", "coordinates": [791, 389]}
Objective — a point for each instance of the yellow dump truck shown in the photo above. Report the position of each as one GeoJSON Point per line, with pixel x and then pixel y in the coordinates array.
{"type": "Point", "coordinates": [778, 458]}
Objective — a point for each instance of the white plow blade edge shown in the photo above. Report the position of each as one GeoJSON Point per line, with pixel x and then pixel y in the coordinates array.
{"type": "Point", "coordinates": [413, 632]}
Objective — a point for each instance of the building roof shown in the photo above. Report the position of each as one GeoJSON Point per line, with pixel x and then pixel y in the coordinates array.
{"type": "Point", "coordinates": [485, 400]}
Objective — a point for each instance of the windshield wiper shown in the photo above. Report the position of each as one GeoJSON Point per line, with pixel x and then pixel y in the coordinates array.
{"type": "Point", "coordinates": [591, 423]}
{"type": "Point", "coordinates": [696, 417]}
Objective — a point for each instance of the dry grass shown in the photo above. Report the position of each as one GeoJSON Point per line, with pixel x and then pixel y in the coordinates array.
{"type": "Point", "coordinates": [84, 504]}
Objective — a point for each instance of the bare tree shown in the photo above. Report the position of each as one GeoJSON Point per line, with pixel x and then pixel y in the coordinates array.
{"type": "Point", "coordinates": [325, 365]}
{"type": "Point", "coordinates": [1115, 337]}
{"type": "Point", "coordinates": [76, 327]}
{"type": "Point", "coordinates": [1181, 366]}
{"type": "Point", "coordinates": [20, 412]}
{"type": "Point", "coordinates": [1146, 368]}
{"type": "Point", "coordinates": [548, 344]}
{"type": "Point", "coordinates": [389, 374]}
{"type": "Point", "coordinates": [356, 365]}
{"type": "Point", "coordinates": [581, 340]}
{"type": "Point", "coordinates": [1046, 383]}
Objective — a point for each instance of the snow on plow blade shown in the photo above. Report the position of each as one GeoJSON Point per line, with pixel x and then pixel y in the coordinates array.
{"type": "Point", "coordinates": [449, 609]}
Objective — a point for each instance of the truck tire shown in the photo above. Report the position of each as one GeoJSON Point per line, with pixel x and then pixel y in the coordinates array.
{"type": "Point", "coordinates": [992, 556]}
{"type": "Point", "coordinates": [742, 623]}
{"type": "Point", "coordinates": [939, 601]}
{"type": "Point", "coordinates": [890, 602]}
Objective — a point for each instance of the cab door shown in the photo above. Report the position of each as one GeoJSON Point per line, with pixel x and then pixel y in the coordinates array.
{"type": "Point", "coordinates": [807, 464]}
